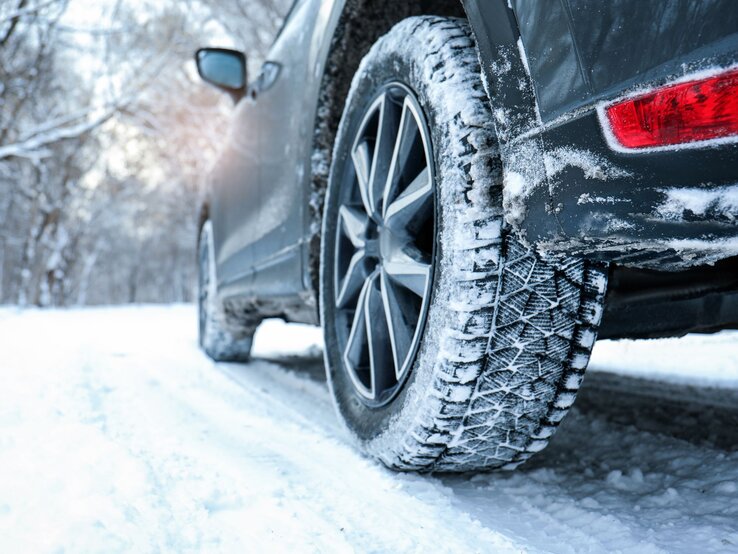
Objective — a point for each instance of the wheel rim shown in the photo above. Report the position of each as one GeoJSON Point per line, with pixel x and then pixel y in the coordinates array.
{"type": "Point", "coordinates": [385, 245]}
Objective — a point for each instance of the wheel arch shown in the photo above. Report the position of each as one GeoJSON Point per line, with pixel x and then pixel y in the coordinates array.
{"type": "Point", "coordinates": [360, 24]}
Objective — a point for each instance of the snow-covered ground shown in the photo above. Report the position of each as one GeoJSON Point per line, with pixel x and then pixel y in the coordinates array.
{"type": "Point", "coordinates": [117, 434]}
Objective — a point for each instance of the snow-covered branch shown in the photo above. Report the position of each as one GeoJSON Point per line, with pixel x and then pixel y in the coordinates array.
{"type": "Point", "coordinates": [26, 10]}
{"type": "Point", "coordinates": [35, 144]}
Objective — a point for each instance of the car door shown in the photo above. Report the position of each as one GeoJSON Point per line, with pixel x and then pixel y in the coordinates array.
{"type": "Point", "coordinates": [284, 145]}
{"type": "Point", "coordinates": [235, 202]}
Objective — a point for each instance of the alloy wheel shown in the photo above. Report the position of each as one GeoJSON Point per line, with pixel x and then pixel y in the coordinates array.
{"type": "Point", "coordinates": [385, 245]}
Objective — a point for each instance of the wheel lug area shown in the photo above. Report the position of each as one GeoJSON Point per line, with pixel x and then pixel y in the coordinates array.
{"type": "Point", "coordinates": [372, 248]}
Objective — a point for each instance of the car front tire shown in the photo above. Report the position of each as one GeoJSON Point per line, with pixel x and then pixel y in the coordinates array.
{"type": "Point", "coordinates": [220, 339]}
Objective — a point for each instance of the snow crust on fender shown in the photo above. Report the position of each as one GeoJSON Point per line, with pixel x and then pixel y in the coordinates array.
{"type": "Point", "coordinates": [508, 336]}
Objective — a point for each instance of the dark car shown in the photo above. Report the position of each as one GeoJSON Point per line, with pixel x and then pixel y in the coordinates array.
{"type": "Point", "coordinates": [465, 195]}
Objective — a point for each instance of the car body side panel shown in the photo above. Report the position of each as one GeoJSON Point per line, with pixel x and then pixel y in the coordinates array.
{"type": "Point", "coordinates": [284, 98]}
{"type": "Point", "coordinates": [263, 254]}
{"type": "Point", "coordinates": [282, 152]}
{"type": "Point", "coordinates": [551, 55]}
{"type": "Point", "coordinates": [235, 198]}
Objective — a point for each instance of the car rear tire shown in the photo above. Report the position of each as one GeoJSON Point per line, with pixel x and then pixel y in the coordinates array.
{"type": "Point", "coordinates": [221, 340]}
{"type": "Point", "coordinates": [503, 338]}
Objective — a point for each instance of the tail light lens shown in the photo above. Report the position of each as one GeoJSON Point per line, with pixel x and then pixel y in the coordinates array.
{"type": "Point", "coordinates": [691, 111]}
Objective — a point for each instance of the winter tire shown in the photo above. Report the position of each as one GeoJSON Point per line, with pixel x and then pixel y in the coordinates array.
{"type": "Point", "coordinates": [222, 341]}
{"type": "Point", "coordinates": [468, 356]}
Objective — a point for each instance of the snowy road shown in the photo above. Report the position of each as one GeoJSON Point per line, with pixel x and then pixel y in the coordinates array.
{"type": "Point", "coordinates": [116, 434]}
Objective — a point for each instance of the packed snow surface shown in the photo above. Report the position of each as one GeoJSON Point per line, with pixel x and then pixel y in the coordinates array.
{"type": "Point", "coordinates": [118, 435]}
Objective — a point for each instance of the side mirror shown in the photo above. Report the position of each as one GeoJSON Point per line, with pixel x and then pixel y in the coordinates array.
{"type": "Point", "coordinates": [224, 69]}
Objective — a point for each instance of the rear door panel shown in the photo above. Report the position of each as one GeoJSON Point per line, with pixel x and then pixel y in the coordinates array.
{"type": "Point", "coordinates": [285, 119]}
{"type": "Point", "coordinates": [262, 181]}
{"type": "Point", "coordinates": [234, 208]}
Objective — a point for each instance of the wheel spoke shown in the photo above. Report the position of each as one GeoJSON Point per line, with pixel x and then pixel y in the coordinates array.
{"type": "Point", "coordinates": [356, 353]}
{"type": "Point", "coordinates": [410, 271]}
{"type": "Point", "coordinates": [361, 156]}
{"type": "Point", "coordinates": [387, 129]}
{"type": "Point", "coordinates": [354, 225]}
{"type": "Point", "coordinates": [402, 318]}
{"type": "Point", "coordinates": [352, 281]}
{"type": "Point", "coordinates": [410, 203]}
{"type": "Point", "coordinates": [407, 136]}
{"type": "Point", "coordinates": [381, 363]}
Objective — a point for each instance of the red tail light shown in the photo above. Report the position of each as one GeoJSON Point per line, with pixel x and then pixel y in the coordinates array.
{"type": "Point", "coordinates": [686, 112]}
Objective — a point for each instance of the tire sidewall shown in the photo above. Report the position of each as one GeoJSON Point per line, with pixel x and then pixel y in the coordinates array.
{"type": "Point", "coordinates": [203, 281]}
{"type": "Point", "coordinates": [207, 287]}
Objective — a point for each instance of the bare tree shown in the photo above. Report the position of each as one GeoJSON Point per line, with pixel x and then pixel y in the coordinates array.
{"type": "Point", "coordinates": [101, 170]}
